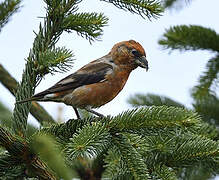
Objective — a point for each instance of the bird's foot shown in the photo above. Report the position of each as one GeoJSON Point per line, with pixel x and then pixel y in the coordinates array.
{"type": "Point", "coordinates": [94, 112]}
{"type": "Point", "coordinates": [77, 113]}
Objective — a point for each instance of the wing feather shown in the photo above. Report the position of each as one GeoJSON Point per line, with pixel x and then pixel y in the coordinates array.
{"type": "Point", "coordinates": [89, 74]}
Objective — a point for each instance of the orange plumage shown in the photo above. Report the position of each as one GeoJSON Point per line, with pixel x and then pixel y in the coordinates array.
{"type": "Point", "coordinates": [98, 82]}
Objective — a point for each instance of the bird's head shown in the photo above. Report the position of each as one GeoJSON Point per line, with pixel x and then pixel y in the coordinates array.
{"type": "Point", "coordinates": [129, 53]}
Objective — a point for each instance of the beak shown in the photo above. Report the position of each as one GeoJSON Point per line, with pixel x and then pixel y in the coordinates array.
{"type": "Point", "coordinates": [142, 62]}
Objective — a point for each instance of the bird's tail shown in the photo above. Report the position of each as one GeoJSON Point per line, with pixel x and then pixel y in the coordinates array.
{"type": "Point", "coordinates": [28, 99]}
{"type": "Point", "coordinates": [42, 96]}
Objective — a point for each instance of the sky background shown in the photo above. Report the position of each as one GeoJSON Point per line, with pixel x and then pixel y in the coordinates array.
{"type": "Point", "coordinates": [172, 75]}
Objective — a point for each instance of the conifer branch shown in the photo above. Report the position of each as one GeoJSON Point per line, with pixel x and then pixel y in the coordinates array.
{"type": "Point", "coordinates": [132, 159]}
{"type": "Point", "coordinates": [206, 130]}
{"type": "Point", "coordinates": [36, 109]}
{"type": "Point", "coordinates": [45, 39]}
{"type": "Point", "coordinates": [97, 166]}
{"type": "Point", "coordinates": [6, 121]}
{"type": "Point", "coordinates": [163, 172]}
{"type": "Point", "coordinates": [7, 80]}
{"type": "Point", "coordinates": [48, 151]}
{"type": "Point", "coordinates": [7, 9]}
{"type": "Point", "coordinates": [179, 149]}
{"type": "Point", "coordinates": [170, 149]}
{"type": "Point", "coordinates": [152, 99]}
{"type": "Point", "coordinates": [5, 116]}
{"type": "Point", "coordinates": [115, 166]}
{"type": "Point", "coordinates": [66, 130]}
{"type": "Point", "coordinates": [156, 148]}
{"type": "Point", "coordinates": [89, 141]}
{"type": "Point", "coordinates": [190, 38]}
{"type": "Point", "coordinates": [88, 25]}
{"type": "Point", "coordinates": [55, 60]}
{"type": "Point", "coordinates": [10, 142]}
{"type": "Point", "coordinates": [21, 154]}
{"type": "Point", "coordinates": [37, 168]}
{"type": "Point", "coordinates": [192, 148]}
{"type": "Point", "coordinates": [87, 168]}
{"type": "Point", "coordinates": [21, 111]}
{"type": "Point", "coordinates": [196, 172]}
{"type": "Point", "coordinates": [155, 117]}
{"type": "Point", "coordinates": [207, 79]}
{"type": "Point", "coordinates": [207, 107]}
{"type": "Point", "coordinates": [144, 8]}
{"type": "Point", "coordinates": [148, 117]}
{"type": "Point", "coordinates": [10, 168]}
{"type": "Point", "coordinates": [174, 3]}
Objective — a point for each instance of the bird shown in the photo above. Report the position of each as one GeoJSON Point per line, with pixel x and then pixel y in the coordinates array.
{"type": "Point", "coordinates": [99, 81]}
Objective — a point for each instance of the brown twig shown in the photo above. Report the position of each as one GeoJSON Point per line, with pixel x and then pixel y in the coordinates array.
{"type": "Point", "coordinates": [20, 152]}
{"type": "Point", "coordinates": [36, 110]}
{"type": "Point", "coordinates": [41, 170]}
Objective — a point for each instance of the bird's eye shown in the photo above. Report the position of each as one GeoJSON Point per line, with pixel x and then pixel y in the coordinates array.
{"type": "Point", "coordinates": [135, 52]}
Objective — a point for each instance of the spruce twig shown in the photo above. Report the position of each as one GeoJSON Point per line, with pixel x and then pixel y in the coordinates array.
{"type": "Point", "coordinates": [190, 37]}
{"type": "Point", "coordinates": [25, 89]}
{"type": "Point", "coordinates": [7, 9]}
{"type": "Point", "coordinates": [155, 117]}
{"type": "Point", "coordinates": [66, 130]}
{"type": "Point", "coordinates": [89, 141]}
{"type": "Point", "coordinates": [207, 80]}
{"type": "Point", "coordinates": [145, 8]}
{"type": "Point", "coordinates": [45, 40]}
{"type": "Point", "coordinates": [131, 157]}
{"type": "Point", "coordinates": [6, 120]}
{"type": "Point", "coordinates": [36, 109]}
{"type": "Point", "coordinates": [149, 99]}
{"type": "Point", "coordinates": [88, 25]}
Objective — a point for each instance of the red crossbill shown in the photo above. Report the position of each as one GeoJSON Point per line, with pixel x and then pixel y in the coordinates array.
{"type": "Point", "coordinates": [99, 81]}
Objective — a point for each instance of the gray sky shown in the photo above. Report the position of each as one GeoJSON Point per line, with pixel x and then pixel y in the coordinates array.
{"type": "Point", "coordinates": [172, 75]}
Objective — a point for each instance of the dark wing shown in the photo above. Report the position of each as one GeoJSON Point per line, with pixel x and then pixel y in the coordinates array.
{"type": "Point", "coordinates": [89, 74]}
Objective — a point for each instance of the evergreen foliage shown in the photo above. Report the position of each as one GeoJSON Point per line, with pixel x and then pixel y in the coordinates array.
{"type": "Point", "coordinates": [207, 106]}
{"type": "Point", "coordinates": [152, 99]}
{"type": "Point", "coordinates": [144, 143]}
{"type": "Point", "coordinates": [184, 38]}
{"type": "Point", "coordinates": [190, 37]}
{"type": "Point", "coordinates": [174, 3]}
{"type": "Point", "coordinates": [155, 141]}
{"type": "Point", "coordinates": [89, 141]}
{"type": "Point", "coordinates": [175, 141]}
{"type": "Point", "coordinates": [208, 80]}
{"type": "Point", "coordinates": [55, 60]}
{"type": "Point", "coordinates": [36, 110]}
{"type": "Point", "coordinates": [5, 115]}
{"type": "Point", "coordinates": [6, 120]}
{"type": "Point", "coordinates": [49, 152]}
{"type": "Point", "coordinates": [130, 156]}
{"type": "Point", "coordinates": [171, 145]}
{"type": "Point", "coordinates": [88, 25]}
{"type": "Point", "coordinates": [7, 9]}
{"type": "Point", "coordinates": [154, 117]}
{"type": "Point", "coordinates": [145, 8]}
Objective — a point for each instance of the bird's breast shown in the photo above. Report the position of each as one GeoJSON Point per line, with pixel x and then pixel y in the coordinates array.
{"type": "Point", "coordinates": [98, 94]}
